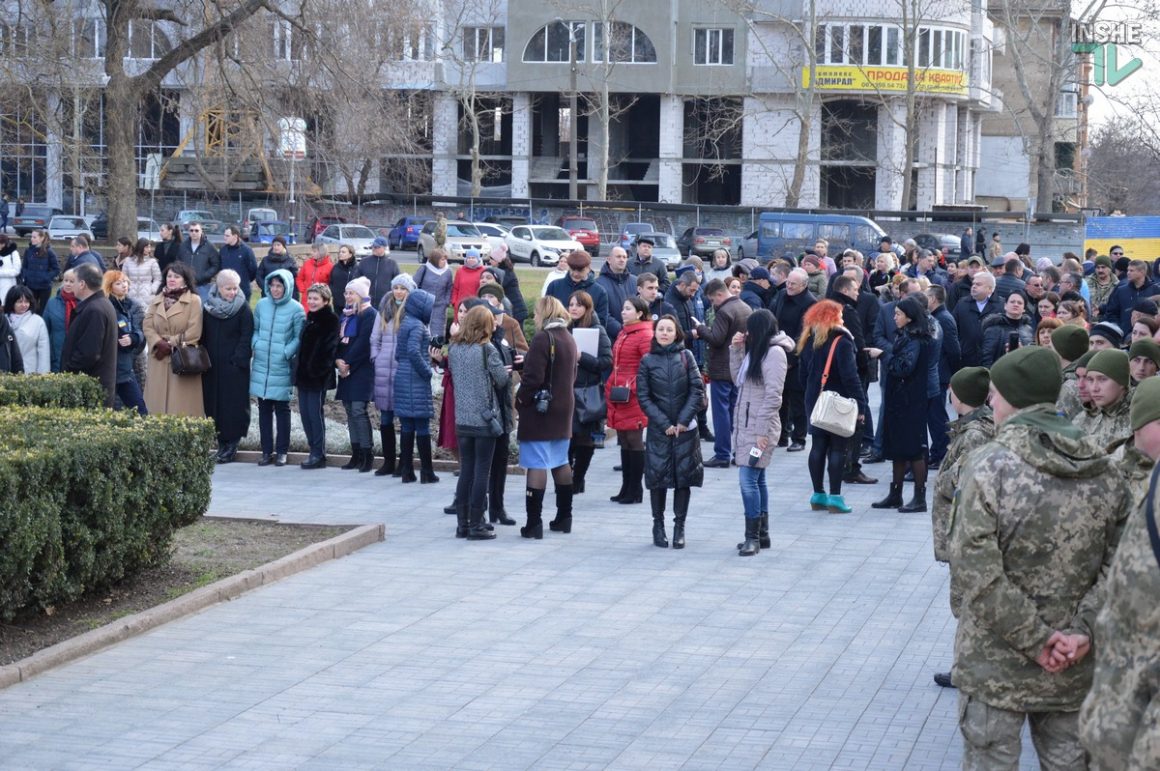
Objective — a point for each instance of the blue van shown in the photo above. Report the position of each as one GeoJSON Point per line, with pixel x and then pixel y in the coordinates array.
{"type": "Point", "coordinates": [788, 234]}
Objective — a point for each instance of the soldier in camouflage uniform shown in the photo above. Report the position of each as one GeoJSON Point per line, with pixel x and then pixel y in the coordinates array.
{"type": "Point", "coordinates": [1120, 720]}
{"type": "Point", "coordinates": [1107, 380]}
{"type": "Point", "coordinates": [1101, 283]}
{"type": "Point", "coordinates": [1144, 359]}
{"type": "Point", "coordinates": [1034, 528]}
{"type": "Point", "coordinates": [974, 428]}
{"type": "Point", "coordinates": [1071, 343]}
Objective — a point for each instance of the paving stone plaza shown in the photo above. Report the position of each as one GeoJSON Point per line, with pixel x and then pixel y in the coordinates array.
{"type": "Point", "coordinates": [588, 650]}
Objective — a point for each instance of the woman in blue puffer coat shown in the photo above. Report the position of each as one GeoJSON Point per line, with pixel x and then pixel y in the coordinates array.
{"type": "Point", "coordinates": [413, 401]}
{"type": "Point", "coordinates": [278, 324]}
{"type": "Point", "coordinates": [383, 354]}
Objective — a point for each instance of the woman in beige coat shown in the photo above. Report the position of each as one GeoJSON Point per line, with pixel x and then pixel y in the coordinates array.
{"type": "Point", "coordinates": [173, 317]}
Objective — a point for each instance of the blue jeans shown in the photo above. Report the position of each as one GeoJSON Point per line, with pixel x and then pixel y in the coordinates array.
{"type": "Point", "coordinates": [754, 494]}
{"type": "Point", "coordinates": [310, 408]}
{"type": "Point", "coordinates": [723, 396]}
{"type": "Point", "coordinates": [419, 426]}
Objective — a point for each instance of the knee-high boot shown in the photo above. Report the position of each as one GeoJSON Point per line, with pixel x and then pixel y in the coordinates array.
{"type": "Point", "coordinates": [623, 476]}
{"type": "Point", "coordinates": [634, 473]}
{"type": "Point", "coordinates": [388, 436]}
{"type": "Point", "coordinates": [563, 521]}
{"type": "Point", "coordinates": [680, 510]}
{"type": "Point", "coordinates": [534, 503]}
{"type": "Point", "coordinates": [580, 469]}
{"type": "Point", "coordinates": [407, 456]}
{"type": "Point", "coordinates": [426, 470]}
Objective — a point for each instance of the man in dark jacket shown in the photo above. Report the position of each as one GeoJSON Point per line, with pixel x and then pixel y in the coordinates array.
{"type": "Point", "coordinates": [239, 257]}
{"type": "Point", "coordinates": [962, 287]}
{"type": "Point", "coordinates": [949, 353]}
{"type": "Point", "coordinates": [618, 284]}
{"type": "Point", "coordinates": [966, 243]}
{"type": "Point", "coordinates": [927, 267]}
{"type": "Point", "coordinates": [789, 306]}
{"type": "Point", "coordinates": [79, 254]}
{"type": "Point", "coordinates": [757, 291]}
{"type": "Point", "coordinates": [731, 318]}
{"type": "Point", "coordinates": [580, 277]}
{"type": "Point", "coordinates": [1010, 279]}
{"type": "Point", "coordinates": [644, 262]}
{"type": "Point", "coordinates": [380, 268]}
{"type": "Point", "coordinates": [682, 296]}
{"type": "Point", "coordinates": [200, 255]}
{"type": "Point", "coordinates": [648, 289]}
{"type": "Point", "coordinates": [90, 345]}
{"type": "Point", "coordinates": [969, 315]}
{"type": "Point", "coordinates": [847, 295]}
{"type": "Point", "coordinates": [1124, 296]}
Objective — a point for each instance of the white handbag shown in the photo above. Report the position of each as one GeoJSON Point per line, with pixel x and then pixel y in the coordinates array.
{"type": "Point", "coordinates": [834, 412]}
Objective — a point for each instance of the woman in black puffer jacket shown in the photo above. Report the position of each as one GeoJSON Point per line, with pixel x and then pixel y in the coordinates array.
{"type": "Point", "coordinates": [670, 391]}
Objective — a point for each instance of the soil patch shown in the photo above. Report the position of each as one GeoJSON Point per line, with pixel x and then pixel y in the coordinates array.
{"type": "Point", "coordinates": [204, 552]}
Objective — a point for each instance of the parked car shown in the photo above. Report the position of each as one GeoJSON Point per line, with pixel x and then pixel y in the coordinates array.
{"type": "Point", "coordinates": [186, 216]}
{"type": "Point", "coordinates": [630, 229]}
{"type": "Point", "coordinates": [664, 247]}
{"type": "Point", "coordinates": [495, 234]}
{"type": "Point", "coordinates": [461, 236]}
{"type": "Point", "coordinates": [35, 216]}
{"type": "Point", "coordinates": [358, 236]}
{"type": "Point", "coordinates": [509, 221]}
{"type": "Point", "coordinates": [62, 227]}
{"type": "Point", "coordinates": [582, 229]}
{"type": "Point", "coordinates": [405, 233]}
{"type": "Point", "coordinates": [319, 224]}
{"type": "Point", "coordinates": [748, 247]}
{"type": "Point", "coordinates": [540, 244]}
{"type": "Point", "coordinates": [146, 228]}
{"type": "Point", "coordinates": [265, 232]}
{"type": "Point", "coordinates": [941, 242]}
{"type": "Point", "coordinates": [254, 216]}
{"type": "Point", "coordinates": [788, 234]}
{"type": "Point", "coordinates": [703, 241]}
{"type": "Point", "coordinates": [214, 231]}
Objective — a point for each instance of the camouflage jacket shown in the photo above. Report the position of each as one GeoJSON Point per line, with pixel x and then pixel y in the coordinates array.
{"type": "Point", "coordinates": [1034, 527]}
{"type": "Point", "coordinates": [1068, 403]}
{"type": "Point", "coordinates": [972, 430]}
{"type": "Point", "coordinates": [1107, 425]}
{"type": "Point", "coordinates": [1118, 723]}
{"type": "Point", "coordinates": [1099, 293]}
{"type": "Point", "coordinates": [1136, 467]}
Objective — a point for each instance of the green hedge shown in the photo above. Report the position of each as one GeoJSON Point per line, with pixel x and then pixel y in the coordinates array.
{"type": "Point", "coordinates": [59, 390]}
{"type": "Point", "coordinates": [89, 497]}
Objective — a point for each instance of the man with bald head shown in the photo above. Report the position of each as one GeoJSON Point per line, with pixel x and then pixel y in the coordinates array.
{"type": "Point", "coordinates": [969, 314]}
{"type": "Point", "coordinates": [618, 284]}
{"type": "Point", "coordinates": [789, 306]}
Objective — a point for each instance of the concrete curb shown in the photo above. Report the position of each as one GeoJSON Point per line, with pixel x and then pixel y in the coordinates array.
{"type": "Point", "coordinates": [187, 604]}
{"type": "Point", "coordinates": [294, 458]}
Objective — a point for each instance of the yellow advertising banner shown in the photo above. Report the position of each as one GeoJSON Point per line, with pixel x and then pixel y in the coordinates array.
{"type": "Point", "coordinates": [847, 77]}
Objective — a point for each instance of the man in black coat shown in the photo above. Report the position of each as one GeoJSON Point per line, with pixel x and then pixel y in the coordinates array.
{"type": "Point", "coordinates": [619, 285]}
{"type": "Point", "coordinates": [730, 318]}
{"type": "Point", "coordinates": [580, 278]}
{"type": "Point", "coordinates": [969, 315]}
{"type": "Point", "coordinates": [644, 262]}
{"type": "Point", "coordinates": [90, 345]}
{"type": "Point", "coordinates": [962, 287]}
{"type": "Point", "coordinates": [757, 291]}
{"type": "Point", "coordinates": [648, 289]}
{"type": "Point", "coordinates": [380, 268]}
{"type": "Point", "coordinates": [200, 255]}
{"type": "Point", "coordinates": [789, 306]}
{"type": "Point", "coordinates": [949, 354]}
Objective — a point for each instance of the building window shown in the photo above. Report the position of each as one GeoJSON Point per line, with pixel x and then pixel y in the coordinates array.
{"type": "Point", "coordinates": [483, 44]}
{"type": "Point", "coordinates": [874, 45]}
{"type": "Point", "coordinates": [626, 44]}
{"type": "Point", "coordinates": [89, 38]}
{"type": "Point", "coordinates": [1067, 106]}
{"type": "Point", "coordinates": [407, 43]}
{"type": "Point", "coordinates": [147, 40]}
{"type": "Point", "coordinates": [713, 46]}
{"type": "Point", "coordinates": [16, 40]}
{"type": "Point", "coordinates": [551, 42]}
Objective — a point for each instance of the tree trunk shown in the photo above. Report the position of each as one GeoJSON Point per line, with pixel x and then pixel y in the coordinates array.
{"type": "Point", "coordinates": [120, 141]}
{"type": "Point", "coordinates": [805, 125]}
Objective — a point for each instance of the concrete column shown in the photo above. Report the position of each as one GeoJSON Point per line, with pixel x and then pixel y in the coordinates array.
{"type": "Point", "coordinates": [932, 127]}
{"type": "Point", "coordinates": [444, 174]}
{"type": "Point", "coordinates": [521, 143]}
{"type": "Point", "coordinates": [891, 154]}
{"type": "Point", "coordinates": [672, 149]}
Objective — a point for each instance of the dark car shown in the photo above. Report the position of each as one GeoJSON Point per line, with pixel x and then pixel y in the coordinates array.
{"type": "Point", "coordinates": [584, 230]}
{"type": "Point", "coordinates": [34, 217]}
{"type": "Point", "coordinates": [100, 227]}
{"type": "Point", "coordinates": [405, 233]}
{"type": "Point", "coordinates": [319, 224]}
{"type": "Point", "coordinates": [703, 241]}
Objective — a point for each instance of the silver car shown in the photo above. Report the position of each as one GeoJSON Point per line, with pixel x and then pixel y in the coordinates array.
{"type": "Point", "coordinates": [461, 236]}
{"type": "Point", "coordinates": [360, 237]}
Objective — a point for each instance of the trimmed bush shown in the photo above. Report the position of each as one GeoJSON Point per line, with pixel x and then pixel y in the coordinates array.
{"type": "Point", "coordinates": [57, 390]}
{"type": "Point", "coordinates": [89, 497]}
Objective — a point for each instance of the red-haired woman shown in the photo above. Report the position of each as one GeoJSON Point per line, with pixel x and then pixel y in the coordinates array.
{"type": "Point", "coordinates": [822, 332]}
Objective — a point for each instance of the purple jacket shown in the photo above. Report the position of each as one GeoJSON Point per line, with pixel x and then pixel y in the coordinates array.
{"type": "Point", "coordinates": [383, 355]}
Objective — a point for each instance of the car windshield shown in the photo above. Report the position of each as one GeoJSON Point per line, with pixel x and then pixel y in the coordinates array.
{"type": "Point", "coordinates": [637, 227]}
{"type": "Point", "coordinates": [258, 215]}
{"type": "Point", "coordinates": [462, 231]}
{"type": "Point", "coordinates": [274, 228]}
{"type": "Point", "coordinates": [552, 234]}
{"type": "Point", "coordinates": [663, 240]}
{"type": "Point", "coordinates": [358, 231]}
{"type": "Point", "coordinates": [579, 224]}
{"type": "Point", "coordinates": [709, 232]}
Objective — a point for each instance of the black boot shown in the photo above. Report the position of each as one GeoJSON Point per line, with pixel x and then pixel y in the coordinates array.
{"type": "Point", "coordinates": [476, 529]}
{"type": "Point", "coordinates": [229, 451]}
{"type": "Point", "coordinates": [454, 507]}
{"type": "Point", "coordinates": [634, 473]}
{"type": "Point", "coordinates": [355, 458]}
{"type": "Point", "coordinates": [426, 470]}
{"type": "Point", "coordinates": [752, 543]}
{"type": "Point", "coordinates": [892, 501]}
{"type": "Point", "coordinates": [461, 520]}
{"type": "Point", "coordinates": [580, 469]}
{"type": "Point", "coordinates": [368, 459]}
{"type": "Point", "coordinates": [657, 500]}
{"type": "Point", "coordinates": [406, 457]}
{"type": "Point", "coordinates": [703, 426]}
{"type": "Point", "coordinates": [623, 469]}
{"type": "Point", "coordinates": [563, 521]}
{"type": "Point", "coordinates": [680, 511]}
{"type": "Point", "coordinates": [221, 449]}
{"type": "Point", "coordinates": [917, 503]}
{"type": "Point", "coordinates": [763, 531]}
{"type": "Point", "coordinates": [534, 503]}
{"type": "Point", "coordinates": [388, 437]}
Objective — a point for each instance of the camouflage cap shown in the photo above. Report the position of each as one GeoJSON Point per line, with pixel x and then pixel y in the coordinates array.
{"type": "Point", "coordinates": [971, 384]}
{"type": "Point", "coordinates": [1145, 346]}
{"type": "Point", "coordinates": [1070, 341]}
{"type": "Point", "coordinates": [1113, 363]}
{"type": "Point", "coordinates": [1145, 403]}
{"type": "Point", "coordinates": [1028, 376]}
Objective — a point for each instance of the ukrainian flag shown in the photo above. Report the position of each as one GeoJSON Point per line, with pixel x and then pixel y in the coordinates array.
{"type": "Point", "coordinates": [1140, 236]}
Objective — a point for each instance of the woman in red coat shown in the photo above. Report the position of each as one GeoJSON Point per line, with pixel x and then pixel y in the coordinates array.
{"type": "Point", "coordinates": [626, 416]}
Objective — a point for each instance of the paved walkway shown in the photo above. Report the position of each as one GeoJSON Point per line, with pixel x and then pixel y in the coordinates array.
{"type": "Point", "coordinates": [590, 650]}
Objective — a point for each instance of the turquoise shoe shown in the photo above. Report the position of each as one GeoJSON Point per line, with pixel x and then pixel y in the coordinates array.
{"type": "Point", "coordinates": [837, 505]}
{"type": "Point", "coordinates": [819, 501]}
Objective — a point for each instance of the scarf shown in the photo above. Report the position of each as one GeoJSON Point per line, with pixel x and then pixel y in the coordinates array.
{"type": "Point", "coordinates": [216, 306]}
{"type": "Point", "coordinates": [70, 305]}
{"type": "Point", "coordinates": [17, 320]}
{"type": "Point", "coordinates": [350, 314]}
{"type": "Point", "coordinates": [172, 295]}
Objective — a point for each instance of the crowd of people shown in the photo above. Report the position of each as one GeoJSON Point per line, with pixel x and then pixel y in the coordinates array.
{"type": "Point", "coordinates": [1048, 367]}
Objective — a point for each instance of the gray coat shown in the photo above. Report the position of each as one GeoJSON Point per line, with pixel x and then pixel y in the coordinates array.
{"type": "Point", "coordinates": [383, 355]}
{"type": "Point", "coordinates": [475, 385]}
{"type": "Point", "coordinates": [758, 403]}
